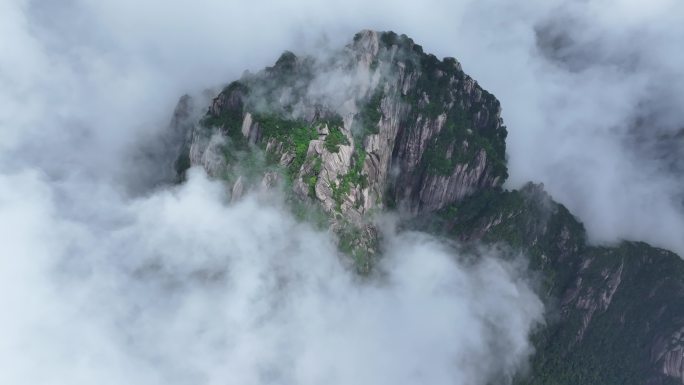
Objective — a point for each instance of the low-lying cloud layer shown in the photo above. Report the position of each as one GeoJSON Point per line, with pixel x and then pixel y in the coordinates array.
{"type": "Point", "coordinates": [182, 288]}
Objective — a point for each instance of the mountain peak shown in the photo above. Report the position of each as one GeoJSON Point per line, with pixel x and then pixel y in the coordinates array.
{"type": "Point", "coordinates": [381, 125]}
{"type": "Point", "coordinates": [367, 41]}
{"type": "Point", "coordinates": [378, 124]}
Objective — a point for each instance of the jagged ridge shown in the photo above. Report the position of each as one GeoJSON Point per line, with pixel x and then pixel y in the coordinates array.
{"type": "Point", "coordinates": [380, 124]}
{"type": "Point", "coordinates": [618, 312]}
{"type": "Point", "coordinates": [403, 129]}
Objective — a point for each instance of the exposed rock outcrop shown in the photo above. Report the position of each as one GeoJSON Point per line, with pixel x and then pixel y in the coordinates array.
{"type": "Point", "coordinates": [380, 124]}
{"type": "Point", "coordinates": [616, 314]}
{"type": "Point", "coordinates": [403, 129]}
{"type": "Point", "coordinates": [397, 122]}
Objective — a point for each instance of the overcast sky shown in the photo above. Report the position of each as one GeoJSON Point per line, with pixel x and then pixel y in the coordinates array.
{"type": "Point", "coordinates": [591, 94]}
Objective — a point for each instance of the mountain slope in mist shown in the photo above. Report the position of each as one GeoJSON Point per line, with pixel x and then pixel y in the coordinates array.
{"type": "Point", "coordinates": [618, 313]}
{"type": "Point", "coordinates": [380, 126]}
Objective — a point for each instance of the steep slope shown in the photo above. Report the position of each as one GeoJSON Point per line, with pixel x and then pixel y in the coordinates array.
{"type": "Point", "coordinates": [377, 124]}
{"type": "Point", "coordinates": [381, 125]}
{"type": "Point", "coordinates": [617, 313]}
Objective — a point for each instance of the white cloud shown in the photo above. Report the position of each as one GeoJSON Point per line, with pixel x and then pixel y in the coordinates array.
{"type": "Point", "coordinates": [181, 288]}
{"type": "Point", "coordinates": [103, 286]}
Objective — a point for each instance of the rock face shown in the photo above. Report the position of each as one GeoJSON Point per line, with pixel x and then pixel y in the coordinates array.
{"type": "Point", "coordinates": [379, 125]}
{"type": "Point", "coordinates": [669, 352]}
{"type": "Point", "coordinates": [617, 313]}
{"type": "Point", "coordinates": [414, 131]}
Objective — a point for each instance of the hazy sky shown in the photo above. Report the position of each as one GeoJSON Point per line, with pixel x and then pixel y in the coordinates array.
{"type": "Point", "coordinates": [100, 285]}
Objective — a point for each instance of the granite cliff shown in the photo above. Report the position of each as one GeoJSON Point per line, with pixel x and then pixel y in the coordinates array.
{"type": "Point", "coordinates": [381, 125]}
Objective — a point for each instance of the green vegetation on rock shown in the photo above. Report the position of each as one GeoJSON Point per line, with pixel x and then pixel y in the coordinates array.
{"type": "Point", "coordinates": [370, 114]}
{"type": "Point", "coordinates": [334, 139]}
{"type": "Point", "coordinates": [610, 308]}
{"type": "Point", "coordinates": [295, 135]}
{"type": "Point", "coordinates": [359, 243]}
{"type": "Point", "coordinates": [614, 347]}
{"type": "Point", "coordinates": [353, 177]}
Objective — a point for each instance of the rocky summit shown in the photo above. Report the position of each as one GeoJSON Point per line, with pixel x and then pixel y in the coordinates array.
{"type": "Point", "coordinates": [380, 125]}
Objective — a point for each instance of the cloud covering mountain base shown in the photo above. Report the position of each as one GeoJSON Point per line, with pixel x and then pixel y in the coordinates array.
{"type": "Point", "coordinates": [181, 287]}
{"type": "Point", "coordinates": [177, 286]}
